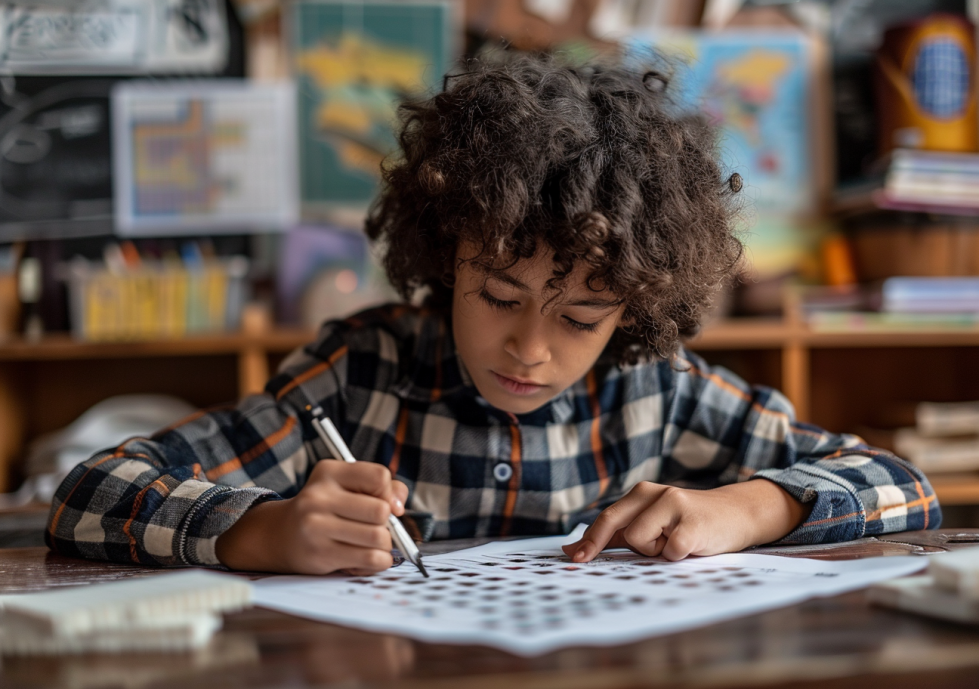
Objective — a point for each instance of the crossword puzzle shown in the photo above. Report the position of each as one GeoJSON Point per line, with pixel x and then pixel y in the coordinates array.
{"type": "Point", "coordinates": [528, 597]}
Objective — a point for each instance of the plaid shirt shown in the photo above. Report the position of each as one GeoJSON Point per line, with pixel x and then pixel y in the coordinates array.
{"type": "Point", "coordinates": [393, 381]}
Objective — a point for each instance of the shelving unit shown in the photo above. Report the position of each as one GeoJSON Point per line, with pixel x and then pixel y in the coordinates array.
{"type": "Point", "coordinates": [810, 367]}
{"type": "Point", "coordinates": [45, 385]}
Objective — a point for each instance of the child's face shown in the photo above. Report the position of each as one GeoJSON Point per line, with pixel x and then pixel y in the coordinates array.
{"type": "Point", "coordinates": [518, 357]}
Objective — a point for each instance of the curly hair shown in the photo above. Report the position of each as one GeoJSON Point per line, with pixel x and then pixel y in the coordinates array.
{"type": "Point", "coordinates": [594, 162]}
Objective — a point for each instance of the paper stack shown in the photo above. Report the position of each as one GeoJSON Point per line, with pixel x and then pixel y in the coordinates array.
{"type": "Point", "coordinates": [170, 612]}
{"type": "Point", "coordinates": [950, 589]}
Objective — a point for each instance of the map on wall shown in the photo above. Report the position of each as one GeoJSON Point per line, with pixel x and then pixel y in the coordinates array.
{"type": "Point", "coordinates": [757, 88]}
{"type": "Point", "coordinates": [354, 62]}
{"type": "Point", "coordinates": [203, 156]}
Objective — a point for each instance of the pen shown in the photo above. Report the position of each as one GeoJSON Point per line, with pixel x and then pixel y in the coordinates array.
{"type": "Point", "coordinates": [330, 436]}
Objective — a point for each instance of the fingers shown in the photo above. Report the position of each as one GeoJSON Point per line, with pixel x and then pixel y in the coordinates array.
{"type": "Point", "coordinates": [613, 518]}
{"type": "Point", "coordinates": [680, 545]}
{"type": "Point", "coordinates": [650, 532]}
{"type": "Point", "coordinates": [355, 558]}
{"type": "Point", "coordinates": [359, 508]}
{"type": "Point", "coordinates": [358, 534]}
{"type": "Point", "coordinates": [367, 478]}
{"type": "Point", "coordinates": [362, 477]}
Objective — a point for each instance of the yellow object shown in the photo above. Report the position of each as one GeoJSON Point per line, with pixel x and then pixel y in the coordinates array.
{"type": "Point", "coordinates": [926, 86]}
{"type": "Point", "coordinates": [160, 300]}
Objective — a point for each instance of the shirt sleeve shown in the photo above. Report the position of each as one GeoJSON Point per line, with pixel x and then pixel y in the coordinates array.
{"type": "Point", "coordinates": [165, 500]}
{"type": "Point", "coordinates": [721, 430]}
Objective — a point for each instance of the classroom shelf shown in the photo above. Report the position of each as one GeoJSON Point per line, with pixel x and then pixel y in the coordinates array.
{"type": "Point", "coordinates": [65, 347]}
{"type": "Point", "coordinates": [956, 489]}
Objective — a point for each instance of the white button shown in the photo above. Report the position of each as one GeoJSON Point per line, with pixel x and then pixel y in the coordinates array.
{"type": "Point", "coordinates": [502, 472]}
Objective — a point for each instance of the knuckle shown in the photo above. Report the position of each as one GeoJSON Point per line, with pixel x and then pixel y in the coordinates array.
{"type": "Point", "coordinates": [378, 560]}
{"type": "Point", "coordinates": [643, 488]}
{"type": "Point", "coordinates": [382, 538]}
{"type": "Point", "coordinates": [632, 533]}
{"type": "Point", "coordinates": [607, 515]}
{"type": "Point", "coordinates": [322, 470]}
{"type": "Point", "coordinates": [681, 544]}
{"type": "Point", "coordinates": [380, 511]}
{"type": "Point", "coordinates": [379, 475]}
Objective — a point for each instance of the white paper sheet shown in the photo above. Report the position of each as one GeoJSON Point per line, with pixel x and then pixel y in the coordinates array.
{"type": "Point", "coordinates": [527, 597]}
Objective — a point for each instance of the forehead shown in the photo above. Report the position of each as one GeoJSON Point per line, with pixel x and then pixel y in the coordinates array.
{"type": "Point", "coordinates": [533, 273]}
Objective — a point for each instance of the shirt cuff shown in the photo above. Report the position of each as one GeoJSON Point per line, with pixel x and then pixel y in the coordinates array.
{"type": "Point", "coordinates": [837, 513]}
{"type": "Point", "coordinates": [214, 511]}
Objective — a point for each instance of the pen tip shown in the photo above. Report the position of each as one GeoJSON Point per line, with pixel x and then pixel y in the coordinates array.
{"type": "Point", "coordinates": [421, 567]}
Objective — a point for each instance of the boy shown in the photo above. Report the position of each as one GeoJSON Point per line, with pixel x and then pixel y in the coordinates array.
{"type": "Point", "coordinates": [570, 228]}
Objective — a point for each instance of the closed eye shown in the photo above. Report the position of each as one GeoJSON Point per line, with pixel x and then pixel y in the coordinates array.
{"type": "Point", "coordinates": [585, 327]}
{"type": "Point", "coordinates": [494, 302]}
{"type": "Point", "coordinates": [502, 305]}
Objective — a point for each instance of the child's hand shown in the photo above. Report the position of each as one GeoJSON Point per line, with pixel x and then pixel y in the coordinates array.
{"type": "Point", "coordinates": [337, 521]}
{"type": "Point", "coordinates": [674, 522]}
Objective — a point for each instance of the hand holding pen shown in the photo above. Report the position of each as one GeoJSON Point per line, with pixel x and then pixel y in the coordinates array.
{"type": "Point", "coordinates": [338, 448]}
{"type": "Point", "coordinates": [337, 521]}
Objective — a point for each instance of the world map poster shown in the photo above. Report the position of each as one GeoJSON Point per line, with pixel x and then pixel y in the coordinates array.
{"type": "Point", "coordinates": [354, 62]}
{"type": "Point", "coordinates": [757, 87]}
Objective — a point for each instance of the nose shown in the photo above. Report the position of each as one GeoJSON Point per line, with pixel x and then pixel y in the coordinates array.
{"type": "Point", "coordinates": [527, 342]}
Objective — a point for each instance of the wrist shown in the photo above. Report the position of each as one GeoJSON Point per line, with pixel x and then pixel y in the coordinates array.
{"type": "Point", "coordinates": [248, 544]}
{"type": "Point", "coordinates": [772, 512]}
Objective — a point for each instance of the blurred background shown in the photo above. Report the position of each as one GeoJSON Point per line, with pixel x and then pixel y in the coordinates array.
{"type": "Point", "coordinates": [183, 185]}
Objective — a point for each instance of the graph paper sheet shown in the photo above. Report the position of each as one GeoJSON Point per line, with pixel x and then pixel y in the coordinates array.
{"type": "Point", "coordinates": [528, 598]}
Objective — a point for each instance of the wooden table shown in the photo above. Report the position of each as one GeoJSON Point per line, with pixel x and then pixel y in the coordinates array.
{"type": "Point", "coordinates": [827, 643]}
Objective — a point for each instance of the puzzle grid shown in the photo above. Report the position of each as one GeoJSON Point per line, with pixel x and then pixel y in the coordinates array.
{"type": "Point", "coordinates": [531, 593]}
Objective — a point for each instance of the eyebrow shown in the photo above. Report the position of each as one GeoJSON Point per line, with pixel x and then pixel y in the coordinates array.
{"type": "Point", "coordinates": [590, 303]}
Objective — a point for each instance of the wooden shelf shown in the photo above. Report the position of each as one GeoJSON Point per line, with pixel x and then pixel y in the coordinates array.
{"type": "Point", "coordinates": [764, 333]}
{"type": "Point", "coordinates": [744, 333]}
{"type": "Point", "coordinates": [65, 347]}
{"type": "Point", "coordinates": [956, 489]}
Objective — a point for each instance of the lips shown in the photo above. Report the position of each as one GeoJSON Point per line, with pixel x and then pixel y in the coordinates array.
{"type": "Point", "coordinates": [517, 386]}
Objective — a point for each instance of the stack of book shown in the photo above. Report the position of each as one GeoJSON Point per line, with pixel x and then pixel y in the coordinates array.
{"type": "Point", "coordinates": [945, 438]}
{"type": "Point", "coordinates": [899, 303]}
{"type": "Point", "coordinates": [930, 295]}
{"type": "Point", "coordinates": [919, 180]}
